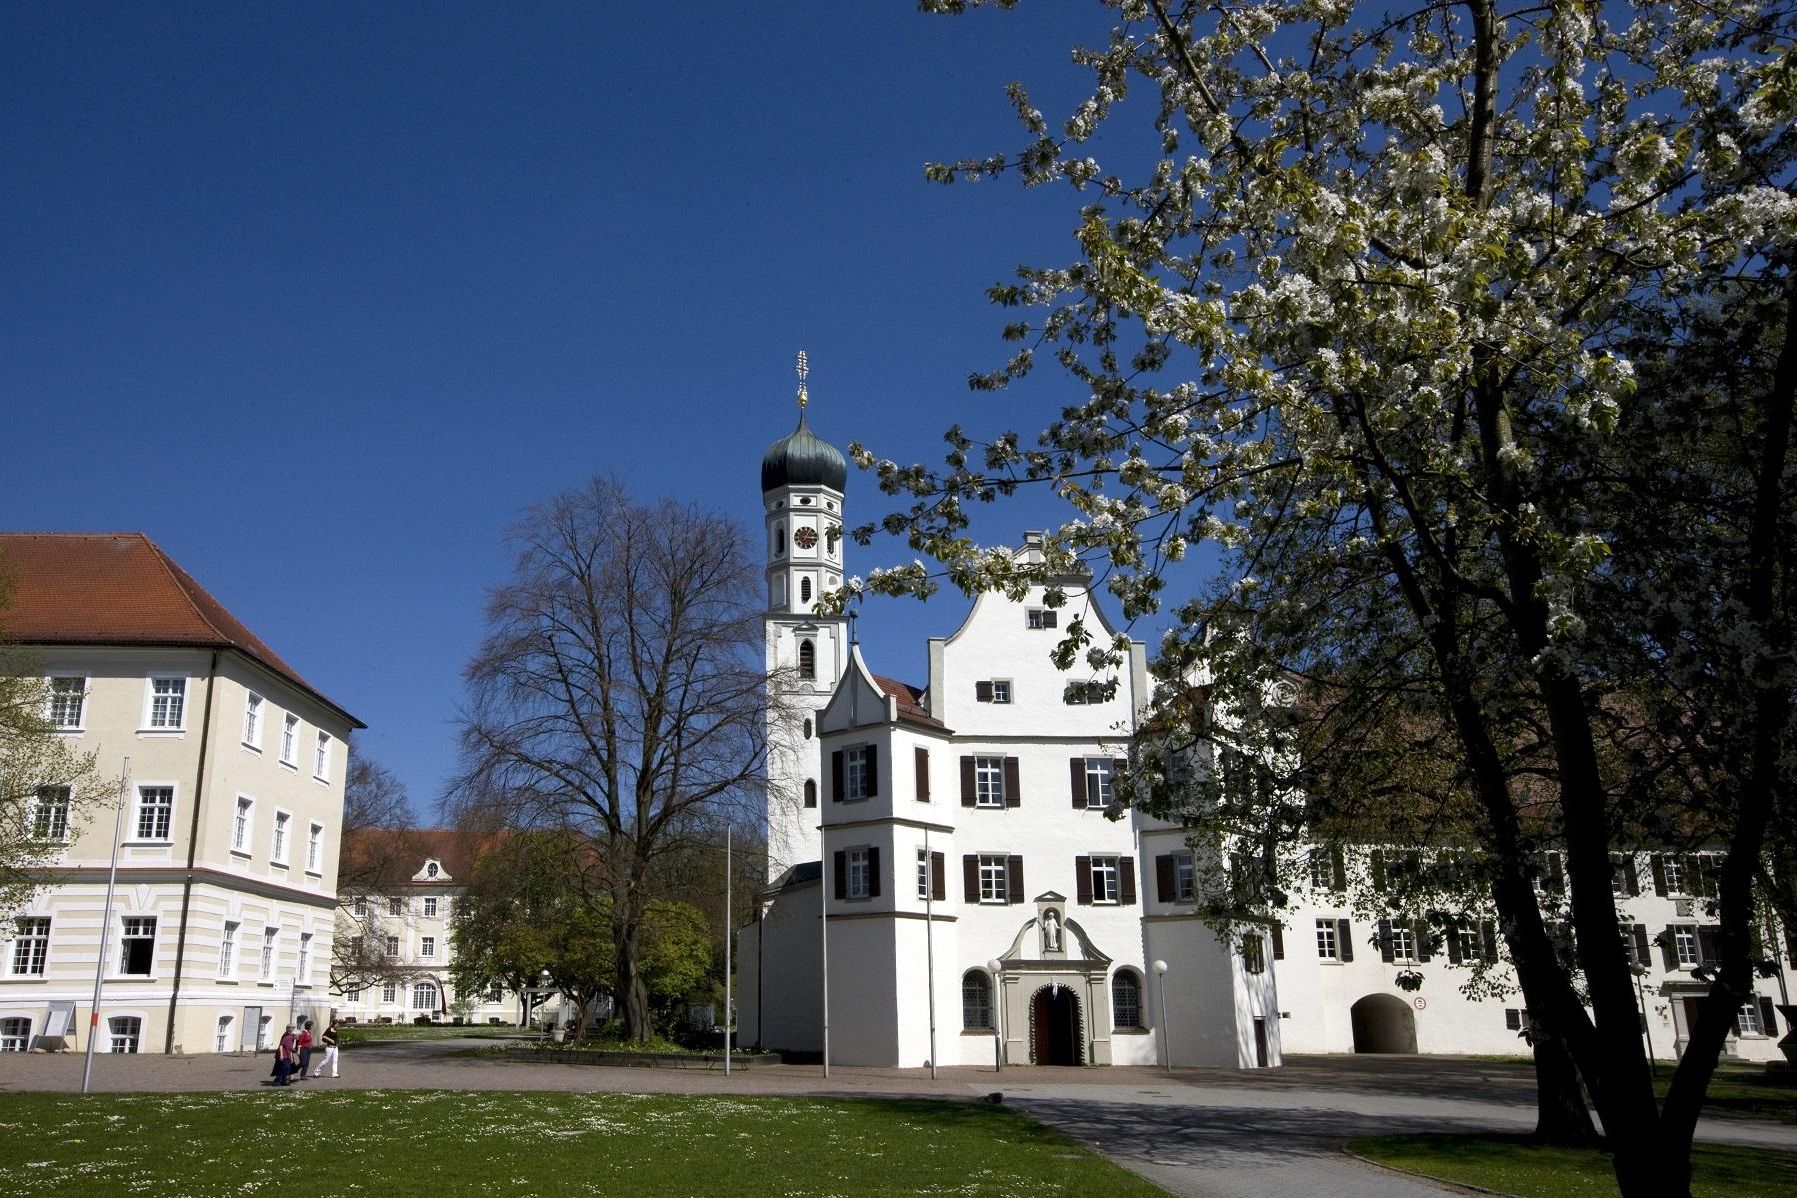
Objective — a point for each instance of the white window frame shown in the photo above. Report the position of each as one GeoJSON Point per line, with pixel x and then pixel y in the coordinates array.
{"type": "Point", "coordinates": [358, 906]}
{"type": "Point", "coordinates": [1039, 618]}
{"type": "Point", "coordinates": [56, 832]}
{"type": "Point", "coordinates": [271, 938]}
{"type": "Point", "coordinates": [976, 1001]}
{"type": "Point", "coordinates": [54, 697]}
{"type": "Point", "coordinates": [389, 992]}
{"type": "Point", "coordinates": [156, 723]}
{"type": "Point", "coordinates": [1130, 977]}
{"type": "Point", "coordinates": [15, 1033]}
{"type": "Point", "coordinates": [30, 954]}
{"type": "Point", "coordinates": [1673, 870]}
{"type": "Point", "coordinates": [418, 990]}
{"type": "Point", "coordinates": [393, 947]}
{"type": "Point", "coordinates": [1104, 771]}
{"type": "Point", "coordinates": [854, 773]}
{"type": "Point", "coordinates": [923, 874]}
{"type": "Point", "coordinates": [139, 809]}
{"type": "Point", "coordinates": [988, 781]}
{"type": "Point", "coordinates": [1185, 877]}
{"type": "Point", "coordinates": [995, 878]}
{"type": "Point", "coordinates": [124, 1033]}
{"type": "Point", "coordinates": [1001, 690]}
{"type": "Point", "coordinates": [427, 947]}
{"type": "Point", "coordinates": [227, 952]}
{"type": "Point", "coordinates": [127, 934]}
{"type": "Point", "coordinates": [1403, 942]}
{"type": "Point", "coordinates": [857, 876]}
{"type": "Point", "coordinates": [430, 906]}
{"type": "Point", "coordinates": [314, 848]}
{"type": "Point", "coordinates": [221, 1042]}
{"type": "Point", "coordinates": [1748, 1018]}
{"type": "Point", "coordinates": [1685, 947]}
{"type": "Point", "coordinates": [1106, 881]}
{"type": "Point", "coordinates": [396, 906]}
{"type": "Point", "coordinates": [243, 826]}
{"type": "Point", "coordinates": [1327, 948]}
{"type": "Point", "coordinates": [252, 720]}
{"type": "Point", "coordinates": [321, 756]}
{"type": "Point", "coordinates": [302, 974]}
{"type": "Point", "coordinates": [290, 739]}
{"type": "Point", "coordinates": [280, 838]}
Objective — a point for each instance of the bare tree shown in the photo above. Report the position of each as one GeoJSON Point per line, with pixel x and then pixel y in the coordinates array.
{"type": "Point", "coordinates": [377, 853]}
{"type": "Point", "coordinates": [618, 694]}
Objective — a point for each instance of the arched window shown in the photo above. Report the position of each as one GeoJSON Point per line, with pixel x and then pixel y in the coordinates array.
{"type": "Point", "coordinates": [125, 1030]}
{"type": "Point", "coordinates": [424, 996]}
{"type": "Point", "coordinates": [811, 792]}
{"type": "Point", "coordinates": [807, 728]}
{"type": "Point", "coordinates": [976, 1000]}
{"type": "Point", "coordinates": [1126, 998]}
{"type": "Point", "coordinates": [807, 662]}
{"type": "Point", "coordinates": [222, 1041]}
{"type": "Point", "coordinates": [779, 542]}
{"type": "Point", "coordinates": [15, 1034]}
{"type": "Point", "coordinates": [804, 590]}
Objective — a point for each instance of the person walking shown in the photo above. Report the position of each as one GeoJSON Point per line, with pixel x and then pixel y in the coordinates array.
{"type": "Point", "coordinates": [284, 1056]}
{"type": "Point", "coordinates": [329, 1040]}
{"type": "Point", "coordinates": [305, 1049]}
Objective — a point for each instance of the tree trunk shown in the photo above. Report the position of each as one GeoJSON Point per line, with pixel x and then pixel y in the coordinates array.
{"type": "Point", "coordinates": [632, 993]}
{"type": "Point", "coordinates": [1561, 1116]}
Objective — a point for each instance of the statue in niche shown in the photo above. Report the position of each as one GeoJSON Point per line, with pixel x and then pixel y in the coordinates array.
{"type": "Point", "coordinates": [1051, 932]}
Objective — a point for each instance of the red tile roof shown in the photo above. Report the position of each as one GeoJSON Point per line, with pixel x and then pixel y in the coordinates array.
{"type": "Point", "coordinates": [910, 701]}
{"type": "Point", "coordinates": [121, 589]}
{"type": "Point", "coordinates": [395, 854]}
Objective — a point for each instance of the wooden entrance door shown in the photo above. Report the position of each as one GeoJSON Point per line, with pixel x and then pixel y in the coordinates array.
{"type": "Point", "coordinates": [1054, 1019]}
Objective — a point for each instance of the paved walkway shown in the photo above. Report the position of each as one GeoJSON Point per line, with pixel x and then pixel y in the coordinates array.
{"type": "Point", "coordinates": [1204, 1133]}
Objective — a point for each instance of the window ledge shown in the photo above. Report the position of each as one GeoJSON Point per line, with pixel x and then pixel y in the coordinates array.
{"type": "Point", "coordinates": [246, 854]}
{"type": "Point", "coordinates": [131, 977]}
{"type": "Point", "coordinates": [984, 1033]}
{"type": "Point", "coordinates": [315, 873]}
{"type": "Point", "coordinates": [154, 732]}
{"type": "Point", "coordinates": [225, 981]}
{"type": "Point", "coordinates": [321, 780]}
{"type": "Point", "coordinates": [68, 731]}
{"type": "Point", "coordinates": [1129, 1031]}
{"type": "Point", "coordinates": [147, 844]}
{"type": "Point", "coordinates": [279, 864]}
{"type": "Point", "coordinates": [38, 978]}
{"type": "Point", "coordinates": [294, 766]}
{"type": "Point", "coordinates": [253, 748]}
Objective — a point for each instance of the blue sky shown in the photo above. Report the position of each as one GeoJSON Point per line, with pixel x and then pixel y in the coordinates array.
{"type": "Point", "coordinates": [322, 297]}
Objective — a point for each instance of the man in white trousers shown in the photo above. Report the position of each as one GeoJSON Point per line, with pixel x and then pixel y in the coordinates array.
{"type": "Point", "coordinates": [329, 1040]}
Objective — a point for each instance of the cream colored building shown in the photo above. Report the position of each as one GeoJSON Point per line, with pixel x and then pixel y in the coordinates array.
{"type": "Point", "coordinates": [223, 916]}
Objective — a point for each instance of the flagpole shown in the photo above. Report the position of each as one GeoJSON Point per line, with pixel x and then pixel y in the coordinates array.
{"type": "Point", "coordinates": [729, 935]}
{"type": "Point", "coordinates": [112, 877]}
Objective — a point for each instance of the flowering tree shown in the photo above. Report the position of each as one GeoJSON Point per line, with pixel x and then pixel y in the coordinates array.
{"type": "Point", "coordinates": [1371, 320]}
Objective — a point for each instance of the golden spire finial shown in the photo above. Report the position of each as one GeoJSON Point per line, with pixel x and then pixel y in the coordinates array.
{"type": "Point", "coordinates": [804, 373]}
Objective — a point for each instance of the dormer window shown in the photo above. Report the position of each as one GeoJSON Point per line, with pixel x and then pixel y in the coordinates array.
{"type": "Point", "coordinates": [432, 869]}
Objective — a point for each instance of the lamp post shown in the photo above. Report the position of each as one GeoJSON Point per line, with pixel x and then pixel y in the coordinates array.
{"type": "Point", "coordinates": [543, 986]}
{"type": "Point", "coordinates": [998, 1014]}
{"type": "Point", "coordinates": [112, 877]}
{"type": "Point", "coordinates": [1160, 979]}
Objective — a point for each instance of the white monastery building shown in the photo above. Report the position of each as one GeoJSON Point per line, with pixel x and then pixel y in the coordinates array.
{"type": "Point", "coordinates": [942, 868]}
{"type": "Point", "coordinates": [222, 921]}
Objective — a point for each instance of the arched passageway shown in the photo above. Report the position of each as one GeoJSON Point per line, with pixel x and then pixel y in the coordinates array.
{"type": "Point", "coordinates": [1383, 1023]}
{"type": "Point", "coordinates": [1054, 1027]}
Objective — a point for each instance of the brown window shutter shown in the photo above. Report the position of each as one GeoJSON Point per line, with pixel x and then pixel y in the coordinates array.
{"type": "Point", "coordinates": [1076, 766]}
{"type": "Point", "coordinates": [1631, 879]}
{"type": "Point", "coordinates": [982, 692]}
{"type": "Point", "coordinates": [1338, 867]}
{"type": "Point", "coordinates": [1791, 944]}
{"type": "Point", "coordinates": [1768, 1017]}
{"type": "Point", "coordinates": [1013, 792]}
{"type": "Point", "coordinates": [836, 776]}
{"type": "Point", "coordinates": [1488, 933]}
{"type": "Point", "coordinates": [1419, 931]}
{"type": "Point", "coordinates": [1015, 869]}
{"type": "Point", "coordinates": [967, 782]}
{"type": "Point", "coordinates": [1376, 863]}
{"type": "Point", "coordinates": [1706, 943]}
{"type": "Point", "coordinates": [1451, 933]}
{"type": "Point", "coordinates": [873, 771]}
{"type": "Point", "coordinates": [1669, 947]}
{"type": "Point", "coordinates": [1050, 618]}
{"type": "Point", "coordinates": [873, 871]}
{"type": "Point", "coordinates": [1126, 881]}
{"type": "Point", "coordinates": [1658, 864]}
{"type": "Point", "coordinates": [1344, 939]}
{"type": "Point", "coordinates": [1278, 942]}
{"type": "Point", "coordinates": [1641, 957]}
{"type": "Point", "coordinates": [1082, 880]}
{"type": "Point", "coordinates": [970, 873]}
{"type": "Point", "coordinates": [1165, 888]}
{"type": "Point", "coordinates": [938, 880]}
{"type": "Point", "coordinates": [1386, 951]}
{"type": "Point", "coordinates": [921, 763]}
{"type": "Point", "coordinates": [842, 873]}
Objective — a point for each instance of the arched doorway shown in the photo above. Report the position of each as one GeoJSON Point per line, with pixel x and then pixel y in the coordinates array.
{"type": "Point", "coordinates": [1383, 1023]}
{"type": "Point", "coordinates": [1054, 1027]}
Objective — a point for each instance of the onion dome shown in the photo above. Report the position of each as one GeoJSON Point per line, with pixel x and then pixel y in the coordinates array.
{"type": "Point", "coordinates": [803, 459]}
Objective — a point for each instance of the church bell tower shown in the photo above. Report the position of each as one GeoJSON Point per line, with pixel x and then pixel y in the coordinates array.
{"type": "Point", "coordinates": [802, 480]}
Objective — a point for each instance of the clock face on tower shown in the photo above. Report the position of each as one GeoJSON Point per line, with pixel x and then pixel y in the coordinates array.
{"type": "Point", "coordinates": [805, 538]}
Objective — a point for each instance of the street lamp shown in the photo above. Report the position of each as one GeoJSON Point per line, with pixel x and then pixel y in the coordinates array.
{"type": "Point", "coordinates": [543, 986]}
{"type": "Point", "coordinates": [1160, 978]}
{"type": "Point", "coordinates": [998, 1014]}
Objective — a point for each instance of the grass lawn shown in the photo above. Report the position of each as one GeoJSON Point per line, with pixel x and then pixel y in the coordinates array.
{"type": "Point", "coordinates": [1514, 1166]}
{"type": "Point", "coordinates": [1744, 1090]}
{"type": "Point", "coordinates": [350, 1033]}
{"type": "Point", "coordinates": [393, 1144]}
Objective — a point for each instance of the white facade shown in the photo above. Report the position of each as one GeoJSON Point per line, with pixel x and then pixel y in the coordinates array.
{"type": "Point", "coordinates": [1338, 979]}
